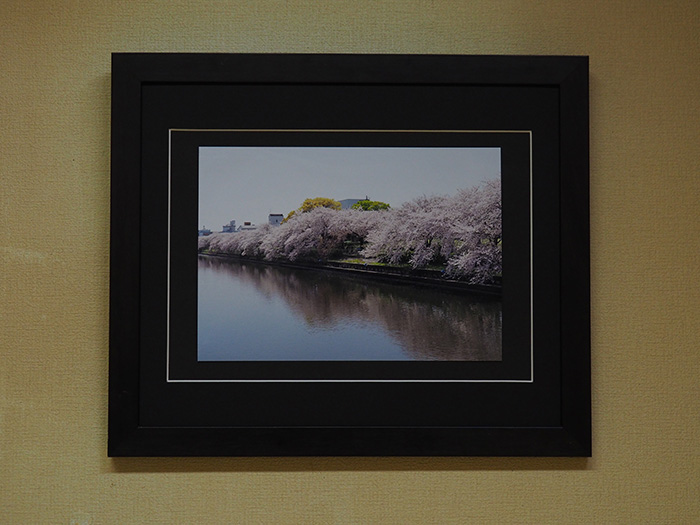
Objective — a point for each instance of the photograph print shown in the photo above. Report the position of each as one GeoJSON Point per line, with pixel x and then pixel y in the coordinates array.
{"type": "Point", "coordinates": [349, 254]}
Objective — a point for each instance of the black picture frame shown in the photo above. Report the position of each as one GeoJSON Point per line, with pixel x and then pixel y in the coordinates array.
{"type": "Point", "coordinates": [535, 403]}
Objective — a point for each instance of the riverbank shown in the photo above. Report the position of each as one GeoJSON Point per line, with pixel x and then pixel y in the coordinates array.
{"type": "Point", "coordinates": [385, 273]}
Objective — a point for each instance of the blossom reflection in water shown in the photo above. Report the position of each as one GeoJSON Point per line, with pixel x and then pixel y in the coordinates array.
{"type": "Point", "coordinates": [250, 311]}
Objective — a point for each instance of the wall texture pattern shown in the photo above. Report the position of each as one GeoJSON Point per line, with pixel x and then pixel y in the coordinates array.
{"type": "Point", "coordinates": [54, 268]}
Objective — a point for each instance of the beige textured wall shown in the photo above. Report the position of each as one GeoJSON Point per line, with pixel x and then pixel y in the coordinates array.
{"type": "Point", "coordinates": [54, 235]}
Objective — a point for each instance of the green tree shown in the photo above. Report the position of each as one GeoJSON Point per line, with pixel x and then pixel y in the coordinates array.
{"type": "Point", "coordinates": [310, 204]}
{"type": "Point", "coordinates": [289, 216]}
{"type": "Point", "coordinates": [319, 202]}
{"type": "Point", "coordinates": [368, 205]}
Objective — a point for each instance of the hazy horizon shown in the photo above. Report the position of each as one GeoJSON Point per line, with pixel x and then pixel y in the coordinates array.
{"type": "Point", "coordinates": [248, 183]}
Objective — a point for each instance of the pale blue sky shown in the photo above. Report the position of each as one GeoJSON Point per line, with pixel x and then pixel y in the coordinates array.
{"type": "Point", "coordinates": [248, 183]}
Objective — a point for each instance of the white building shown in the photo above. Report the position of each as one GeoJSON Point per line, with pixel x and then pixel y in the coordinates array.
{"type": "Point", "coordinates": [247, 225]}
{"type": "Point", "coordinates": [230, 227]}
{"type": "Point", "coordinates": [275, 219]}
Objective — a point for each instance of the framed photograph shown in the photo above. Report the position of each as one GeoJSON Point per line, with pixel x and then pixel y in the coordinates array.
{"type": "Point", "coordinates": [338, 255]}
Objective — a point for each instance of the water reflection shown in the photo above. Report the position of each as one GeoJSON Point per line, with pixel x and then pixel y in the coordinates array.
{"type": "Point", "coordinates": [424, 323]}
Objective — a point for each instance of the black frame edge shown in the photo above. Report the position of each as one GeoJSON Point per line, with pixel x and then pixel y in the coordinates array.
{"type": "Point", "coordinates": [124, 252]}
{"type": "Point", "coordinates": [575, 243]}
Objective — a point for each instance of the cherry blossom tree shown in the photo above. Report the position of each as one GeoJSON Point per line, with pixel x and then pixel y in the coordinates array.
{"type": "Point", "coordinates": [460, 233]}
{"type": "Point", "coordinates": [479, 253]}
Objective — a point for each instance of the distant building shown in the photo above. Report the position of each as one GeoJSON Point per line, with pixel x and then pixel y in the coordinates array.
{"type": "Point", "coordinates": [348, 203]}
{"type": "Point", "coordinates": [230, 227]}
{"type": "Point", "coordinates": [275, 219]}
{"type": "Point", "coordinates": [247, 225]}
{"type": "Point", "coordinates": [204, 232]}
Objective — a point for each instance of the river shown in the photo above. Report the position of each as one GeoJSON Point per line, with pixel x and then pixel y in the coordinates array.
{"type": "Point", "coordinates": [251, 311]}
